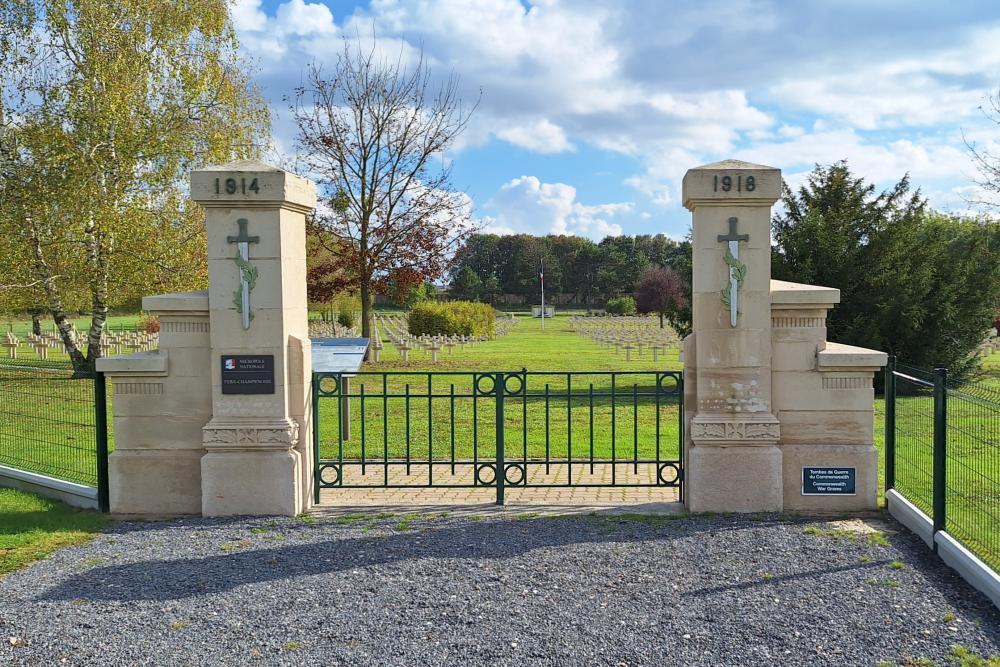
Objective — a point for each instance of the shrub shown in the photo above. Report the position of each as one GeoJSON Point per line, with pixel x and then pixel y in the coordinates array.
{"type": "Point", "coordinates": [623, 305]}
{"type": "Point", "coordinates": [346, 306]}
{"type": "Point", "coordinates": [149, 324]}
{"type": "Point", "coordinates": [452, 318]}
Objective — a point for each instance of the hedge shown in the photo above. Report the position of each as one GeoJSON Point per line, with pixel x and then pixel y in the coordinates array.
{"type": "Point", "coordinates": [452, 318]}
{"type": "Point", "coordinates": [623, 305]}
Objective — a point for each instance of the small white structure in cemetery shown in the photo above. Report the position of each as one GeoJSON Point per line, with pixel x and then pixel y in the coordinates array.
{"type": "Point", "coordinates": [550, 311]}
{"type": "Point", "coordinates": [778, 418]}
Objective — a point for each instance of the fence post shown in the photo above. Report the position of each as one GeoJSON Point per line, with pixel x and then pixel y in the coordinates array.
{"type": "Point", "coordinates": [680, 435]}
{"type": "Point", "coordinates": [101, 426]}
{"type": "Point", "coordinates": [940, 444]}
{"type": "Point", "coordinates": [890, 424]}
{"type": "Point", "coordinates": [501, 466]}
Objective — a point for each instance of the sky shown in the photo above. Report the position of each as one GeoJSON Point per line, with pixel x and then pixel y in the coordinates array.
{"type": "Point", "coordinates": [591, 111]}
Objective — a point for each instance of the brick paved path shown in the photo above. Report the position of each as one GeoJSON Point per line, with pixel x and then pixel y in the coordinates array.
{"type": "Point", "coordinates": [555, 490]}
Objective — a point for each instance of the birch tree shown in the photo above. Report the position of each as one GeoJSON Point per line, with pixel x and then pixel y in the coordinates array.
{"type": "Point", "coordinates": [104, 108]}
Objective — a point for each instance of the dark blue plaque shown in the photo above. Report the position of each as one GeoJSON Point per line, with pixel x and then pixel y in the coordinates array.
{"type": "Point", "coordinates": [831, 481]}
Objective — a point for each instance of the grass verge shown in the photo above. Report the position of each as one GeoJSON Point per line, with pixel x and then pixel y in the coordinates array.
{"type": "Point", "coordinates": [32, 527]}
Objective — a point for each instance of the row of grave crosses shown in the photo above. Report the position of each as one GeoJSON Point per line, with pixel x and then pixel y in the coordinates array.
{"type": "Point", "coordinates": [397, 331]}
{"type": "Point", "coordinates": [329, 329]}
{"type": "Point", "coordinates": [634, 335]}
{"type": "Point", "coordinates": [119, 342]}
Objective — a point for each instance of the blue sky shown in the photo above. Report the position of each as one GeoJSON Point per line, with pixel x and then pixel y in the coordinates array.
{"type": "Point", "coordinates": [592, 111]}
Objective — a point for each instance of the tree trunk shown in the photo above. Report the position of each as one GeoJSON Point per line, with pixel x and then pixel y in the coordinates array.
{"type": "Point", "coordinates": [661, 319]}
{"type": "Point", "coordinates": [80, 366]}
{"type": "Point", "coordinates": [36, 322]}
{"type": "Point", "coordinates": [366, 309]}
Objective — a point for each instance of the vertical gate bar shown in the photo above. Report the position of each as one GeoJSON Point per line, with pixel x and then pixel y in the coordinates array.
{"type": "Point", "coordinates": [656, 391]}
{"type": "Point", "coordinates": [501, 476]}
{"type": "Point", "coordinates": [614, 430]}
{"type": "Point", "coordinates": [453, 428]}
{"type": "Point", "coordinates": [407, 399]}
{"type": "Point", "coordinates": [569, 429]}
{"type": "Point", "coordinates": [430, 430]}
{"type": "Point", "coordinates": [524, 416]}
{"type": "Point", "coordinates": [475, 427]}
{"type": "Point", "coordinates": [940, 444]}
{"type": "Point", "coordinates": [315, 436]}
{"type": "Point", "coordinates": [340, 429]}
{"type": "Point", "coordinates": [591, 393]}
{"type": "Point", "coordinates": [635, 428]}
{"type": "Point", "coordinates": [101, 426]}
{"type": "Point", "coordinates": [890, 424]}
{"type": "Point", "coordinates": [361, 400]}
{"type": "Point", "coordinates": [385, 428]}
{"type": "Point", "coordinates": [547, 470]}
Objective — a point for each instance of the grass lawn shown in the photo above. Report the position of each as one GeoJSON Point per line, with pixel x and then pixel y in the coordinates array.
{"type": "Point", "coordinates": [32, 527]}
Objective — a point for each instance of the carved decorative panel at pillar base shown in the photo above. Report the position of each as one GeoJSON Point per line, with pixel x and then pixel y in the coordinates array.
{"type": "Point", "coordinates": [719, 431]}
{"type": "Point", "coordinates": [220, 435]}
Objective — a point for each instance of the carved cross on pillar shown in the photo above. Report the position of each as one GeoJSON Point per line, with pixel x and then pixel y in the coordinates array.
{"type": "Point", "coordinates": [248, 273]}
{"type": "Point", "coordinates": [737, 269]}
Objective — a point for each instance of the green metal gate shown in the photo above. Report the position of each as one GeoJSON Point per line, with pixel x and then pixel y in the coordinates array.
{"type": "Point", "coordinates": [499, 429]}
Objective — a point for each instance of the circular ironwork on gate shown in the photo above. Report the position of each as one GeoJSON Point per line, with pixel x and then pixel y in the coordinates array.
{"type": "Point", "coordinates": [324, 479]}
{"type": "Point", "coordinates": [520, 477]}
{"type": "Point", "coordinates": [668, 474]}
{"type": "Point", "coordinates": [491, 480]}
{"type": "Point", "coordinates": [513, 390]}
{"type": "Point", "coordinates": [668, 383]}
{"type": "Point", "coordinates": [485, 390]}
{"type": "Point", "coordinates": [327, 385]}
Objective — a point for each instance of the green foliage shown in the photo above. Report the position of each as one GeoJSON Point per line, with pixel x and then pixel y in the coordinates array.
{"type": "Point", "coordinates": [346, 306]}
{"type": "Point", "coordinates": [97, 144]}
{"type": "Point", "coordinates": [587, 272]}
{"type": "Point", "coordinates": [917, 284]}
{"type": "Point", "coordinates": [466, 285]}
{"type": "Point", "coordinates": [623, 305]}
{"type": "Point", "coordinates": [452, 318]}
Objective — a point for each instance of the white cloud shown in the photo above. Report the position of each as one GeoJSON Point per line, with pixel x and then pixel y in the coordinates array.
{"type": "Point", "coordinates": [674, 85]}
{"type": "Point", "coordinates": [525, 205]}
{"type": "Point", "coordinates": [541, 136]}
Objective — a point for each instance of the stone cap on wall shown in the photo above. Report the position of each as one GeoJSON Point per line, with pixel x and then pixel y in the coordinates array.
{"type": "Point", "coordinates": [725, 183]}
{"type": "Point", "coordinates": [800, 295]}
{"type": "Point", "coordinates": [837, 356]}
{"type": "Point", "coordinates": [177, 303]}
{"type": "Point", "coordinates": [255, 184]}
{"type": "Point", "coordinates": [140, 363]}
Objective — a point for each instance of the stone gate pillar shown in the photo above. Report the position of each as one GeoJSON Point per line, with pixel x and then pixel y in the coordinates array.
{"type": "Point", "coordinates": [258, 456]}
{"type": "Point", "coordinates": [733, 461]}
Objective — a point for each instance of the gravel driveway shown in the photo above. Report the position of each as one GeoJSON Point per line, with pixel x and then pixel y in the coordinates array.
{"type": "Point", "coordinates": [497, 589]}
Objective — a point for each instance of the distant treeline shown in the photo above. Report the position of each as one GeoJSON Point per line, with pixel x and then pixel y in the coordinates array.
{"type": "Point", "coordinates": [492, 268]}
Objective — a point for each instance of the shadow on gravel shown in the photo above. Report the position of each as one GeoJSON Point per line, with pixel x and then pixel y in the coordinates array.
{"type": "Point", "coordinates": [188, 577]}
{"type": "Point", "coordinates": [339, 549]}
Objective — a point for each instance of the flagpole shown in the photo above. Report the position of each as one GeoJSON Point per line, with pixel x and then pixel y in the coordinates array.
{"type": "Point", "coordinates": [541, 276]}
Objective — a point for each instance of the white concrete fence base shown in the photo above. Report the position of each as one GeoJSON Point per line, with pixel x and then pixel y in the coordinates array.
{"type": "Point", "coordinates": [978, 574]}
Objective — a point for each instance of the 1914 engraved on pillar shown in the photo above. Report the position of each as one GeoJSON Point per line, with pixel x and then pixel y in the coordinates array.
{"type": "Point", "coordinates": [248, 272]}
{"type": "Point", "coordinates": [737, 270]}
